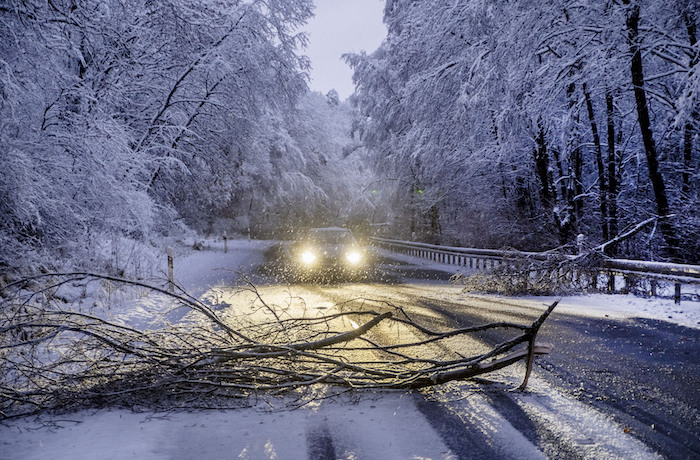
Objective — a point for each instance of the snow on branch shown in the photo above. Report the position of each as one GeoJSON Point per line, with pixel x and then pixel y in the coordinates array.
{"type": "Point", "coordinates": [58, 354]}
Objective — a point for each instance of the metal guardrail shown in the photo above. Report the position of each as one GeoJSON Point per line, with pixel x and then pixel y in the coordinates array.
{"type": "Point", "coordinates": [653, 274]}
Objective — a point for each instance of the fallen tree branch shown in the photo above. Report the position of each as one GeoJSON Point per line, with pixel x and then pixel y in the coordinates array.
{"type": "Point", "coordinates": [55, 356]}
{"type": "Point", "coordinates": [629, 233]}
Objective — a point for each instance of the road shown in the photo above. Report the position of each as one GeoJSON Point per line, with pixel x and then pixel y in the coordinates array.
{"type": "Point", "coordinates": [609, 387]}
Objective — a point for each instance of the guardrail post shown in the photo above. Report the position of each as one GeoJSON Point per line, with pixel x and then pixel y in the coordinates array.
{"type": "Point", "coordinates": [611, 282]}
{"type": "Point", "coordinates": [677, 293]}
{"type": "Point", "coordinates": [171, 269]}
{"type": "Point", "coordinates": [628, 284]}
{"type": "Point", "coordinates": [634, 282]}
{"type": "Point", "coordinates": [580, 240]}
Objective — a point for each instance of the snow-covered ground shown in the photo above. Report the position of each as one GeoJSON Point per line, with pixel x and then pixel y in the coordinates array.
{"type": "Point", "coordinates": [374, 426]}
{"type": "Point", "coordinates": [595, 305]}
{"type": "Point", "coordinates": [199, 270]}
{"type": "Point", "coordinates": [381, 428]}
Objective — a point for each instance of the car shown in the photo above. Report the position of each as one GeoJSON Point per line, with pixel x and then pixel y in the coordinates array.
{"type": "Point", "coordinates": [330, 252]}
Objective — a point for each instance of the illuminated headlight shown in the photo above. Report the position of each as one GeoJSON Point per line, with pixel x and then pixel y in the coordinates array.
{"type": "Point", "coordinates": [308, 257]}
{"type": "Point", "coordinates": [354, 257]}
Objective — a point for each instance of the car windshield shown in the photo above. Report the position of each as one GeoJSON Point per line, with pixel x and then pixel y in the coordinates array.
{"type": "Point", "coordinates": [328, 237]}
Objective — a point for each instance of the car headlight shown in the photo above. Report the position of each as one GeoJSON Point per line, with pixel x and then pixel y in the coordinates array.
{"type": "Point", "coordinates": [354, 257]}
{"type": "Point", "coordinates": [308, 257]}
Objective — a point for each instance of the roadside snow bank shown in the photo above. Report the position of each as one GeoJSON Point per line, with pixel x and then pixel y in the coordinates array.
{"type": "Point", "coordinates": [615, 306]}
{"type": "Point", "coordinates": [196, 271]}
{"type": "Point", "coordinates": [618, 306]}
{"type": "Point", "coordinates": [628, 306]}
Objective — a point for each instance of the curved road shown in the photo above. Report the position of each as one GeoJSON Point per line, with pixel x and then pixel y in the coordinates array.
{"type": "Point", "coordinates": [640, 375]}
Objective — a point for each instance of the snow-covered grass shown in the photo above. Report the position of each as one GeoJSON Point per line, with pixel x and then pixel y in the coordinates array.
{"type": "Point", "coordinates": [376, 425]}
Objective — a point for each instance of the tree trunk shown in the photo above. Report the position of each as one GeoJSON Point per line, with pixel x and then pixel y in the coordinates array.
{"type": "Point", "coordinates": [575, 186]}
{"type": "Point", "coordinates": [560, 171]}
{"type": "Point", "coordinates": [542, 167]}
{"type": "Point", "coordinates": [599, 163]}
{"type": "Point", "coordinates": [565, 218]}
{"type": "Point", "coordinates": [435, 227]}
{"type": "Point", "coordinates": [687, 159]}
{"type": "Point", "coordinates": [689, 127]}
{"type": "Point", "coordinates": [655, 176]}
{"type": "Point", "coordinates": [612, 176]}
{"type": "Point", "coordinates": [412, 211]}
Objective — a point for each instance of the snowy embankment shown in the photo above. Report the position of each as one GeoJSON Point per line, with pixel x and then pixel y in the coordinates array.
{"type": "Point", "coordinates": [618, 306]}
{"type": "Point", "coordinates": [198, 270]}
{"type": "Point", "coordinates": [385, 425]}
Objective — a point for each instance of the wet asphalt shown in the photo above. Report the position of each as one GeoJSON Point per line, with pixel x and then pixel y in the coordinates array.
{"type": "Point", "coordinates": [642, 373]}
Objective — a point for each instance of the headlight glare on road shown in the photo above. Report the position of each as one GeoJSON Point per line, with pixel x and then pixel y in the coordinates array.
{"type": "Point", "coordinates": [354, 257]}
{"type": "Point", "coordinates": [308, 257]}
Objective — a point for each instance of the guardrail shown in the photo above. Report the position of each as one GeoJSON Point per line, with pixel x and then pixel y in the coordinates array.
{"type": "Point", "coordinates": [648, 277]}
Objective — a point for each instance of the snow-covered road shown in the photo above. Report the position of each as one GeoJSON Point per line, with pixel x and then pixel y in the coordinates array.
{"type": "Point", "coordinates": [616, 386]}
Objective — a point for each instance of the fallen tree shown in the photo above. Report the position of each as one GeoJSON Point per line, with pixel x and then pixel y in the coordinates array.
{"type": "Point", "coordinates": [56, 356]}
{"type": "Point", "coordinates": [554, 272]}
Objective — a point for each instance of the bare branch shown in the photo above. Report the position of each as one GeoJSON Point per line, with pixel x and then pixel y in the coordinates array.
{"type": "Point", "coordinates": [56, 358]}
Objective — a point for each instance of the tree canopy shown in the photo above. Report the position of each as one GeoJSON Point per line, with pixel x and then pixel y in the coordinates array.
{"type": "Point", "coordinates": [477, 123]}
{"type": "Point", "coordinates": [527, 123]}
{"type": "Point", "coordinates": [135, 119]}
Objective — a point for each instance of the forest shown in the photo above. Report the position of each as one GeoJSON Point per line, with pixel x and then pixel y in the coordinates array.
{"type": "Point", "coordinates": [125, 123]}
{"type": "Point", "coordinates": [526, 124]}
{"type": "Point", "coordinates": [478, 123]}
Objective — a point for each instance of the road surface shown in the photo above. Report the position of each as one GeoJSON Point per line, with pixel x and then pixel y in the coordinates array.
{"type": "Point", "coordinates": [610, 389]}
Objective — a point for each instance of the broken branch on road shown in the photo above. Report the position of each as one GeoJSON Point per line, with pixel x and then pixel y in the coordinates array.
{"type": "Point", "coordinates": [57, 353]}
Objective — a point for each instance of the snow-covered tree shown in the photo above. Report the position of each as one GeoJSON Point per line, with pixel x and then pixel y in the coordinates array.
{"type": "Point", "coordinates": [118, 118]}
{"type": "Point", "coordinates": [316, 174]}
{"type": "Point", "coordinates": [519, 123]}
